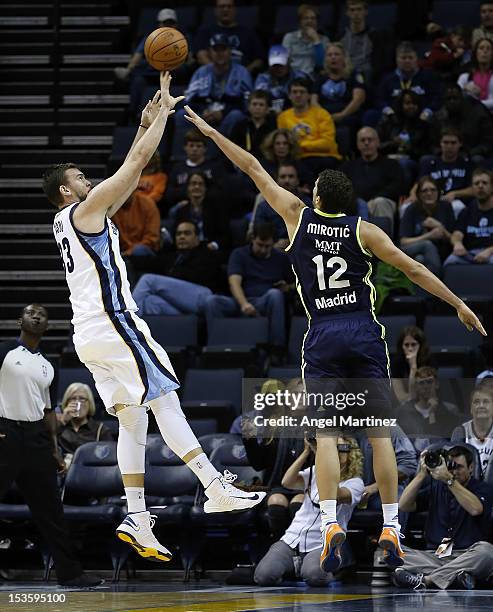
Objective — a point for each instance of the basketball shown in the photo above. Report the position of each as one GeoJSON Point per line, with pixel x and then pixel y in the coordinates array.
{"type": "Point", "coordinates": [166, 49]}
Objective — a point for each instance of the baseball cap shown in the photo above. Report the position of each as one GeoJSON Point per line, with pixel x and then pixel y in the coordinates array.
{"type": "Point", "coordinates": [278, 55]}
{"type": "Point", "coordinates": [219, 39]}
{"type": "Point", "coordinates": [167, 15]}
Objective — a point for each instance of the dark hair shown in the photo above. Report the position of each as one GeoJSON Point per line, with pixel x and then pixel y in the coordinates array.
{"type": "Point", "coordinates": [479, 171]}
{"type": "Point", "coordinates": [194, 135]}
{"type": "Point", "coordinates": [264, 231]}
{"type": "Point", "coordinates": [197, 173]}
{"type": "Point", "coordinates": [425, 179]}
{"type": "Point", "coordinates": [399, 101]}
{"type": "Point", "coordinates": [335, 191]}
{"type": "Point", "coordinates": [301, 82]}
{"type": "Point", "coordinates": [287, 164]}
{"type": "Point", "coordinates": [37, 305]}
{"type": "Point", "coordinates": [457, 451]}
{"type": "Point", "coordinates": [417, 333]}
{"type": "Point", "coordinates": [451, 130]}
{"type": "Point", "coordinates": [405, 46]}
{"type": "Point", "coordinates": [474, 60]}
{"type": "Point", "coordinates": [53, 178]}
{"type": "Point", "coordinates": [191, 222]}
{"type": "Point", "coordinates": [260, 94]}
{"type": "Point", "coordinates": [426, 372]}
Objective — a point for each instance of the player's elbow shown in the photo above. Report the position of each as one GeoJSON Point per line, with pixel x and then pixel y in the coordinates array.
{"type": "Point", "coordinates": [415, 270]}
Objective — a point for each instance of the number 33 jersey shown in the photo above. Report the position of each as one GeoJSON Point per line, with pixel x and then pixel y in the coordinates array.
{"type": "Point", "coordinates": [332, 269]}
{"type": "Point", "coordinates": [94, 268]}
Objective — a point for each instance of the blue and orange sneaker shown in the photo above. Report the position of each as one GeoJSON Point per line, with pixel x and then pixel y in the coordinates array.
{"type": "Point", "coordinates": [389, 542]}
{"type": "Point", "coordinates": [333, 538]}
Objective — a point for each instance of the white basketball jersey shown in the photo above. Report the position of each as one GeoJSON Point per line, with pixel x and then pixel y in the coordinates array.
{"type": "Point", "coordinates": [485, 447]}
{"type": "Point", "coordinates": [94, 268]}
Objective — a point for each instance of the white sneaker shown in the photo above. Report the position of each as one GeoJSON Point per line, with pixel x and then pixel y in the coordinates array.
{"type": "Point", "coordinates": [136, 530]}
{"type": "Point", "coordinates": [224, 497]}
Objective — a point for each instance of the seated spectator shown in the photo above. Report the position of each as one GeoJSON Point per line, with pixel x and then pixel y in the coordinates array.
{"type": "Point", "coordinates": [478, 431]}
{"type": "Point", "coordinates": [366, 47]}
{"type": "Point", "coordinates": [306, 47]}
{"type": "Point", "coordinates": [258, 275]}
{"type": "Point", "coordinates": [450, 170]}
{"type": "Point", "coordinates": [139, 224]}
{"type": "Point", "coordinates": [250, 132]}
{"type": "Point", "coordinates": [472, 239]}
{"type": "Point", "coordinates": [485, 30]}
{"type": "Point", "coordinates": [206, 212]}
{"type": "Point", "coordinates": [196, 160]}
{"type": "Point", "coordinates": [287, 177]}
{"type": "Point", "coordinates": [277, 79]}
{"type": "Point", "coordinates": [246, 47]}
{"type": "Point", "coordinates": [457, 526]}
{"type": "Point", "coordinates": [153, 180]}
{"type": "Point", "coordinates": [76, 423]}
{"type": "Point", "coordinates": [449, 52]}
{"type": "Point", "coordinates": [470, 118]}
{"type": "Point", "coordinates": [376, 179]}
{"type": "Point", "coordinates": [216, 91]}
{"type": "Point", "coordinates": [427, 225]}
{"type": "Point", "coordinates": [412, 353]}
{"type": "Point", "coordinates": [340, 89]}
{"type": "Point", "coordinates": [183, 278]}
{"type": "Point", "coordinates": [302, 537]}
{"type": "Point", "coordinates": [408, 75]}
{"type": "Point", "coordinates": [313, 127]}
{"type": "Point", "coordinates": [478, 81]}
{"type": "Point", "coordinates": [427, 417]}
{"type": "Point", "coordinates": [279, 147]}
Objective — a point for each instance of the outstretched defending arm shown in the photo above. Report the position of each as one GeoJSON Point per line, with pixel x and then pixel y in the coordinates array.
{"type": "Point", "coordinates": [377, 241]}
{"type": "Point", "coordinates": [282, 201]}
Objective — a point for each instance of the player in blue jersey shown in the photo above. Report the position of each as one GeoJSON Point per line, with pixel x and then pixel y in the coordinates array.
{"type": "Point", "coordinates": [331, 252]}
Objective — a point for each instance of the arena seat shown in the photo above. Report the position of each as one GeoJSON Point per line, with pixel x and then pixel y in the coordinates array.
{"type": "Point", "coordinates": [448, 332]}
{"type": "Point", "coordinates": [393, 326]}
{"type": "Point", "coordinates": [173, 331]}
{"type": "Point", "coordinates": [283, 374]}
{"type": "Point", "coordinates": [449, 13]}
{"type": "Point", "coordinates": [67, 376]}
{"type": "Point", "coordinates": [248, 331]}
{"type": "Point", "coordinates": [472, 282]}
{"type": "Point", "coordinates": [211, 442]}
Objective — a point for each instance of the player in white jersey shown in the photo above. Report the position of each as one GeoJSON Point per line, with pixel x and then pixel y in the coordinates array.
{"type": "Point", "coordinates": [132, 372]}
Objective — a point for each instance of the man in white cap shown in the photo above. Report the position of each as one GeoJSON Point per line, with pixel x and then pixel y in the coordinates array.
{"type": "Point", "coordinates": [276, 80]}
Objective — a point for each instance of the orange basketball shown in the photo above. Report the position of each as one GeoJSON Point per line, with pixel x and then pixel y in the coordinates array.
{"type": "Point", "coordinates": [166, 49]}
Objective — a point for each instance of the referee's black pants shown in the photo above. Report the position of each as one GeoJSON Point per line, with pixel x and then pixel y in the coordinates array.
{"type": "Point", "coordinates": [26, 457]}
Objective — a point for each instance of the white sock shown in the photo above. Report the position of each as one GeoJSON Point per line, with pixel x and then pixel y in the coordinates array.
{"type": "Point", "coordinates": [135, 499]}
{"type": "Point", "coordinates": [203, 469]}
{"type": "Point", "coordinates": [328, 510]}
{"type": "Point", "coordinates": [391, 515]}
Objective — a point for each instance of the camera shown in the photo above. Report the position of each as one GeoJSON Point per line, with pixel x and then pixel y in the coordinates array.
{"type": "Point", "coordinates": [433, 458]}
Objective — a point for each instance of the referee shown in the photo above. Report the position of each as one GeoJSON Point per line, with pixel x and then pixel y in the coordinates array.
{"type": "Point", "coordinates": [28, 453]}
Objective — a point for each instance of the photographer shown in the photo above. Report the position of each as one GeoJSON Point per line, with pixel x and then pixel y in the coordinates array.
{"type": "Point", "coordinates": [299, 548]}
{"type": "Point", "coordinates": [457, 524]}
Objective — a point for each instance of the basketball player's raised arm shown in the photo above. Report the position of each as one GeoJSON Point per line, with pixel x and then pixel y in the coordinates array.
{"type": "Point", "coordinates": [377, 242]}
{"type": "Point", "coordinates": [282, 201]}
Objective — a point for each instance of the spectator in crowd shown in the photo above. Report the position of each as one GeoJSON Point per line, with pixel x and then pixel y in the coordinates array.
{"type": "Point", "coordinates": [153, 180]}
{"type": "Point", "coordinates": [250, 132]}
{"type": "Point", "coordinates": [302, 537]}
{"type": "Point", "coordinates": [340, 89]}
{"type": "Point", "coordinates": [246, 47]}
{"type": "Point", "coordinates": [449, 52]}
{"type": "Point", "coordinates": [206, 212]}
{"type": "Point", "coordinates": [470, 118]}
{"type": "Point", "coordinates": [287, 177]}
{"type": "Point", "coordinates": [141, 74]}
{"type": "Point", "coordinates": [196, 160]}
{"type": "Point", "coordinates": [259, 276]}
{"type": "Point", "coordinates": [277, 79]}
{"type": "Point", "coordinates": [365, 46]}
{"type": "Point", "coordinates": [376, 179]}
{"type": "Point", "coordinates": [182, 279]}
{"type": "Point", "coordinates": [478, 81]}
{"type": "Point", "coordinates": [279, 147]}
{"type": "Point", "coordinates": [406, 468]}
{"type": "Point", "coordinates": [306, 47]}
{"type": "Point", "coordinates": [313, 127]}
{"type": "Point", "coordinates": [472, 239]}
{"type": "Point", "coordinates": [76, 424]}
{"type": "Point", "coordinates": [427, 225]}
{"type": "Point", "coordinates": [217, 91]}
{"type": "Point", "coordinates": [485, 30]}
{"type": "Point", "coordinates": [450, 170]}
{"type": "Point", "coordinates": [408, 75]}
{"type": "Point", "coordinates": [139, 224]}
{"type": "Point", "coordinates": [457, 525]}
{"type": "Point", "coordinates": [427, 417]}
{"type": "Point", "coordinates": [478, 431]}
{"type": "Point", "coordinates": [412, 353]}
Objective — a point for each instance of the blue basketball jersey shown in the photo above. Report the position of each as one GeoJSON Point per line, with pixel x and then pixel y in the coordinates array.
{"type": "Point", "coordinates": [332, 268]}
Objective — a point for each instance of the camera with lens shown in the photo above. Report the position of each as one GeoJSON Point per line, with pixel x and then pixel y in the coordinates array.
{"type": "Point", "coordinates": [433, 458]}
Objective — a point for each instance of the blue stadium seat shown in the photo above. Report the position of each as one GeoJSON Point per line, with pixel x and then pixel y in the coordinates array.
{"type": "Point", "coordinates": [211, 442]}
{"type": "Point", "coordinates": [450, 373]}
{"type": "Point", "coordinates": [299, 326]}
{"type": "Point", "coordinates": [67, 376]}
{"type": "Point", "coordinates": [211, 386]}
{"type": "Point", "coordinates": [472, 282]}
{"type": "Point", "coordinates": [449, 13]}
{"type": "Point", "coordinates": [248, 331]}
{"type": "Point", "coordinates": [283, 374]}
{"type": "Point", "coordinates": [238, 229]}
{"type": "Point", "coordinates": [203, 427]}
{"type": "Point", "coordinates": [447, 332]}
{"type": "Point", "coordinates": [175, 331]}
{"type": "Point", "coordinates": [393, 326]}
